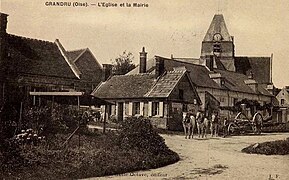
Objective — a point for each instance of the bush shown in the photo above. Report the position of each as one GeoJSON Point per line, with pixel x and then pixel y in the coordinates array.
{"type": "Point", "coordinates": [279, 147]}
{"type": "Point", "coordinates": [10, 156]}
{"type": "Point", "coordinates": [135, 146]}
{"type": "Point", "coordinates": [138, 133]}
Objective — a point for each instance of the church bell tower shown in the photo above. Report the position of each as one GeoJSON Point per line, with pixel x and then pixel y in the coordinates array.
{"type": "Point", "coordinates": [219, 44]}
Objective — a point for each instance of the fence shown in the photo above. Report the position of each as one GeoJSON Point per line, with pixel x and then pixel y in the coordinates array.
{"type": "Point", "coordinates": [276, 127]}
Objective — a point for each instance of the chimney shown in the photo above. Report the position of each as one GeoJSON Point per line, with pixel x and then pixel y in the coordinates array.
{"type": "Point", "coordinates": [106, 71]}
{"type": "Point", "coordinates": [3, 25]}
{"type": "Point", "coordinates": [160, 66]}
{"type": "Point", "coordinates": [143, 61]}
{"type": "Point", "coordinates": [210, 62]}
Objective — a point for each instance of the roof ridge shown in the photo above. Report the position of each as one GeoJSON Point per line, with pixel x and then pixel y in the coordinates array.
{"type": "Point", "coordinates": [177, 70]}
{"type": "Point", "coordinates": [82, 49]}
{"type": "Point", "coordinates": [187, 62]}
{"type": "Point", "coordinates": [28, 38]}
{"type": "Point", "coordinates": [186, 58]}
{"type": "Point", "coordinates": [253, 56]}
{"type": "Point", "coordinates": [138, 74]}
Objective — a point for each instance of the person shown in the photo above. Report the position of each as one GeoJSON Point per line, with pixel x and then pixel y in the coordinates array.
{"type": "Point", "coordinates": [225, 128]}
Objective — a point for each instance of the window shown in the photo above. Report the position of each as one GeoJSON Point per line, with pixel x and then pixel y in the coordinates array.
{"type": "Point", "coordinates": [136, 108]}
{"type": "Point", "coordinates": [181, 94]}
{"type": "Point", "coordinates": [282, 101]}
{"type": "Point", "coordinates": [126, 108]}
{"type": "Point", "coordinates": [155, 108]}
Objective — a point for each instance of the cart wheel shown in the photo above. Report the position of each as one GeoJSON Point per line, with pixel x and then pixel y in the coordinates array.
{"type": "Point", "coordinates": [257, 123]}
{"type": "Point", "coordinates": [232, 129]}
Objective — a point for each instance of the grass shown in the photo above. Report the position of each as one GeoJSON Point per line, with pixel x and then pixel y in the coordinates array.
{"type": "Point", "coordinates": [279, 147]}
{"type": "Point", "coordinates": [117, 152]}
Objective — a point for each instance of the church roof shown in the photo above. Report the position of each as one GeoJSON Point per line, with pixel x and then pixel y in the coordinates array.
{"type": "Point", "coordinates": [218, 25]}
{"type": "Point", "coordinates": [260, 67]}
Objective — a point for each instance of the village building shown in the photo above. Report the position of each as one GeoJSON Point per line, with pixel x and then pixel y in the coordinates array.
{"type": "Point", "coordinates": [32, 65]}
{"type": "Point", "coordinates": [89, 70]}
{"type": "Point", "coordinates": [228, 78]}
{"type": "Point", "coordinates": [220, 78]}
{"type": "Point", "coordinates": [161, 96]}
{"type": "Point", "coordinates": [283, 100]}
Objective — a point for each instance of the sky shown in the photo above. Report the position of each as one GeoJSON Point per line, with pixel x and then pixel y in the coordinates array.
{"type": "Point", "coordinates": [165, 27]}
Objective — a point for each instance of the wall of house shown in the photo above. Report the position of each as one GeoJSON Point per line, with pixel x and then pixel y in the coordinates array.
{"type": "Point", "coordinates": [145, 109]}
{"type": "Point", "coordinates": [23, 84]}
{"type": "Point", "coordinates": [169, 116]}
{"type": "Point", "coordinates": [187, 94]}
{"type": "Point", "coordinates": [229, 98]}
{"type": "Point", "coordinates": [283, 94]}
{"type": "Point", "coordinates": [50, 83]}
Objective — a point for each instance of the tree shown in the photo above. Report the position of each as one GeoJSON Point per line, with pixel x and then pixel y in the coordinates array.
{"type": "Point", "coordinates": [123, 63]}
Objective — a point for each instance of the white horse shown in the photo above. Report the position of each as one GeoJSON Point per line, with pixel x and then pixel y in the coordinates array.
{"type": "Point", "coordinates": [203, 124]}
{"type": "Point", "coordinates": [214, 125]}
{"type": "Point", "coordinates": [189, 123]}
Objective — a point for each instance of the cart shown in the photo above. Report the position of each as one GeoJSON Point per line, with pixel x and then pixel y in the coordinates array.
{"type": "Point", "coordinates": [241, 124]}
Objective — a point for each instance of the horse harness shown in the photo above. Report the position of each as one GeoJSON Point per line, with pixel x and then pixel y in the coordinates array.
{"type": "Point", "coordinates": [200, 117]}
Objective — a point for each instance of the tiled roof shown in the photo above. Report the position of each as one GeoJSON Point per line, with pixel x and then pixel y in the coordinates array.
{"type": "Point", "coordinates": [72, 55]}
{"type": "Point", "coordinates": [218, 25]}
{"type": "Point", "coordinates": [260, 67]}
{"type": "Point", "coordinates": [236, 82]}
{"type": "Point", "coordinates": [86, 64]}
{"type": "Point", "coordinates": [125, 86]}
{"type": "Point", "coordinates": [190, 60]}
{"type": "Point", "coordinates": [32, 56]}
{"type": "Point", "coordinates": [166, 83]}
{"type": "Point", "coordinates": [199, 76]}
{"type": "Point", "coordinates": [141, 85]}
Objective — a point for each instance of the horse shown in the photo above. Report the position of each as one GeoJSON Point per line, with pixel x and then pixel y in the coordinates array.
{"type": "Point", "coordinates": [214, 125]}
{"type": "Point", "coordinates": [188, 124]}
{"type": "Point", "coordinates": [206, 126]}
{"type": "Point", "coordinates": [203, 124]}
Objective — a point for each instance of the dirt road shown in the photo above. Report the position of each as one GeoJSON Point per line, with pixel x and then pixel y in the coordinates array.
{"type": "Point", "coordinates": [218, 158]}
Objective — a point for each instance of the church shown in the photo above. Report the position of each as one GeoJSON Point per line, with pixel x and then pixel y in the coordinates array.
{"type": "Point", "coordinates": [218, 79]}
